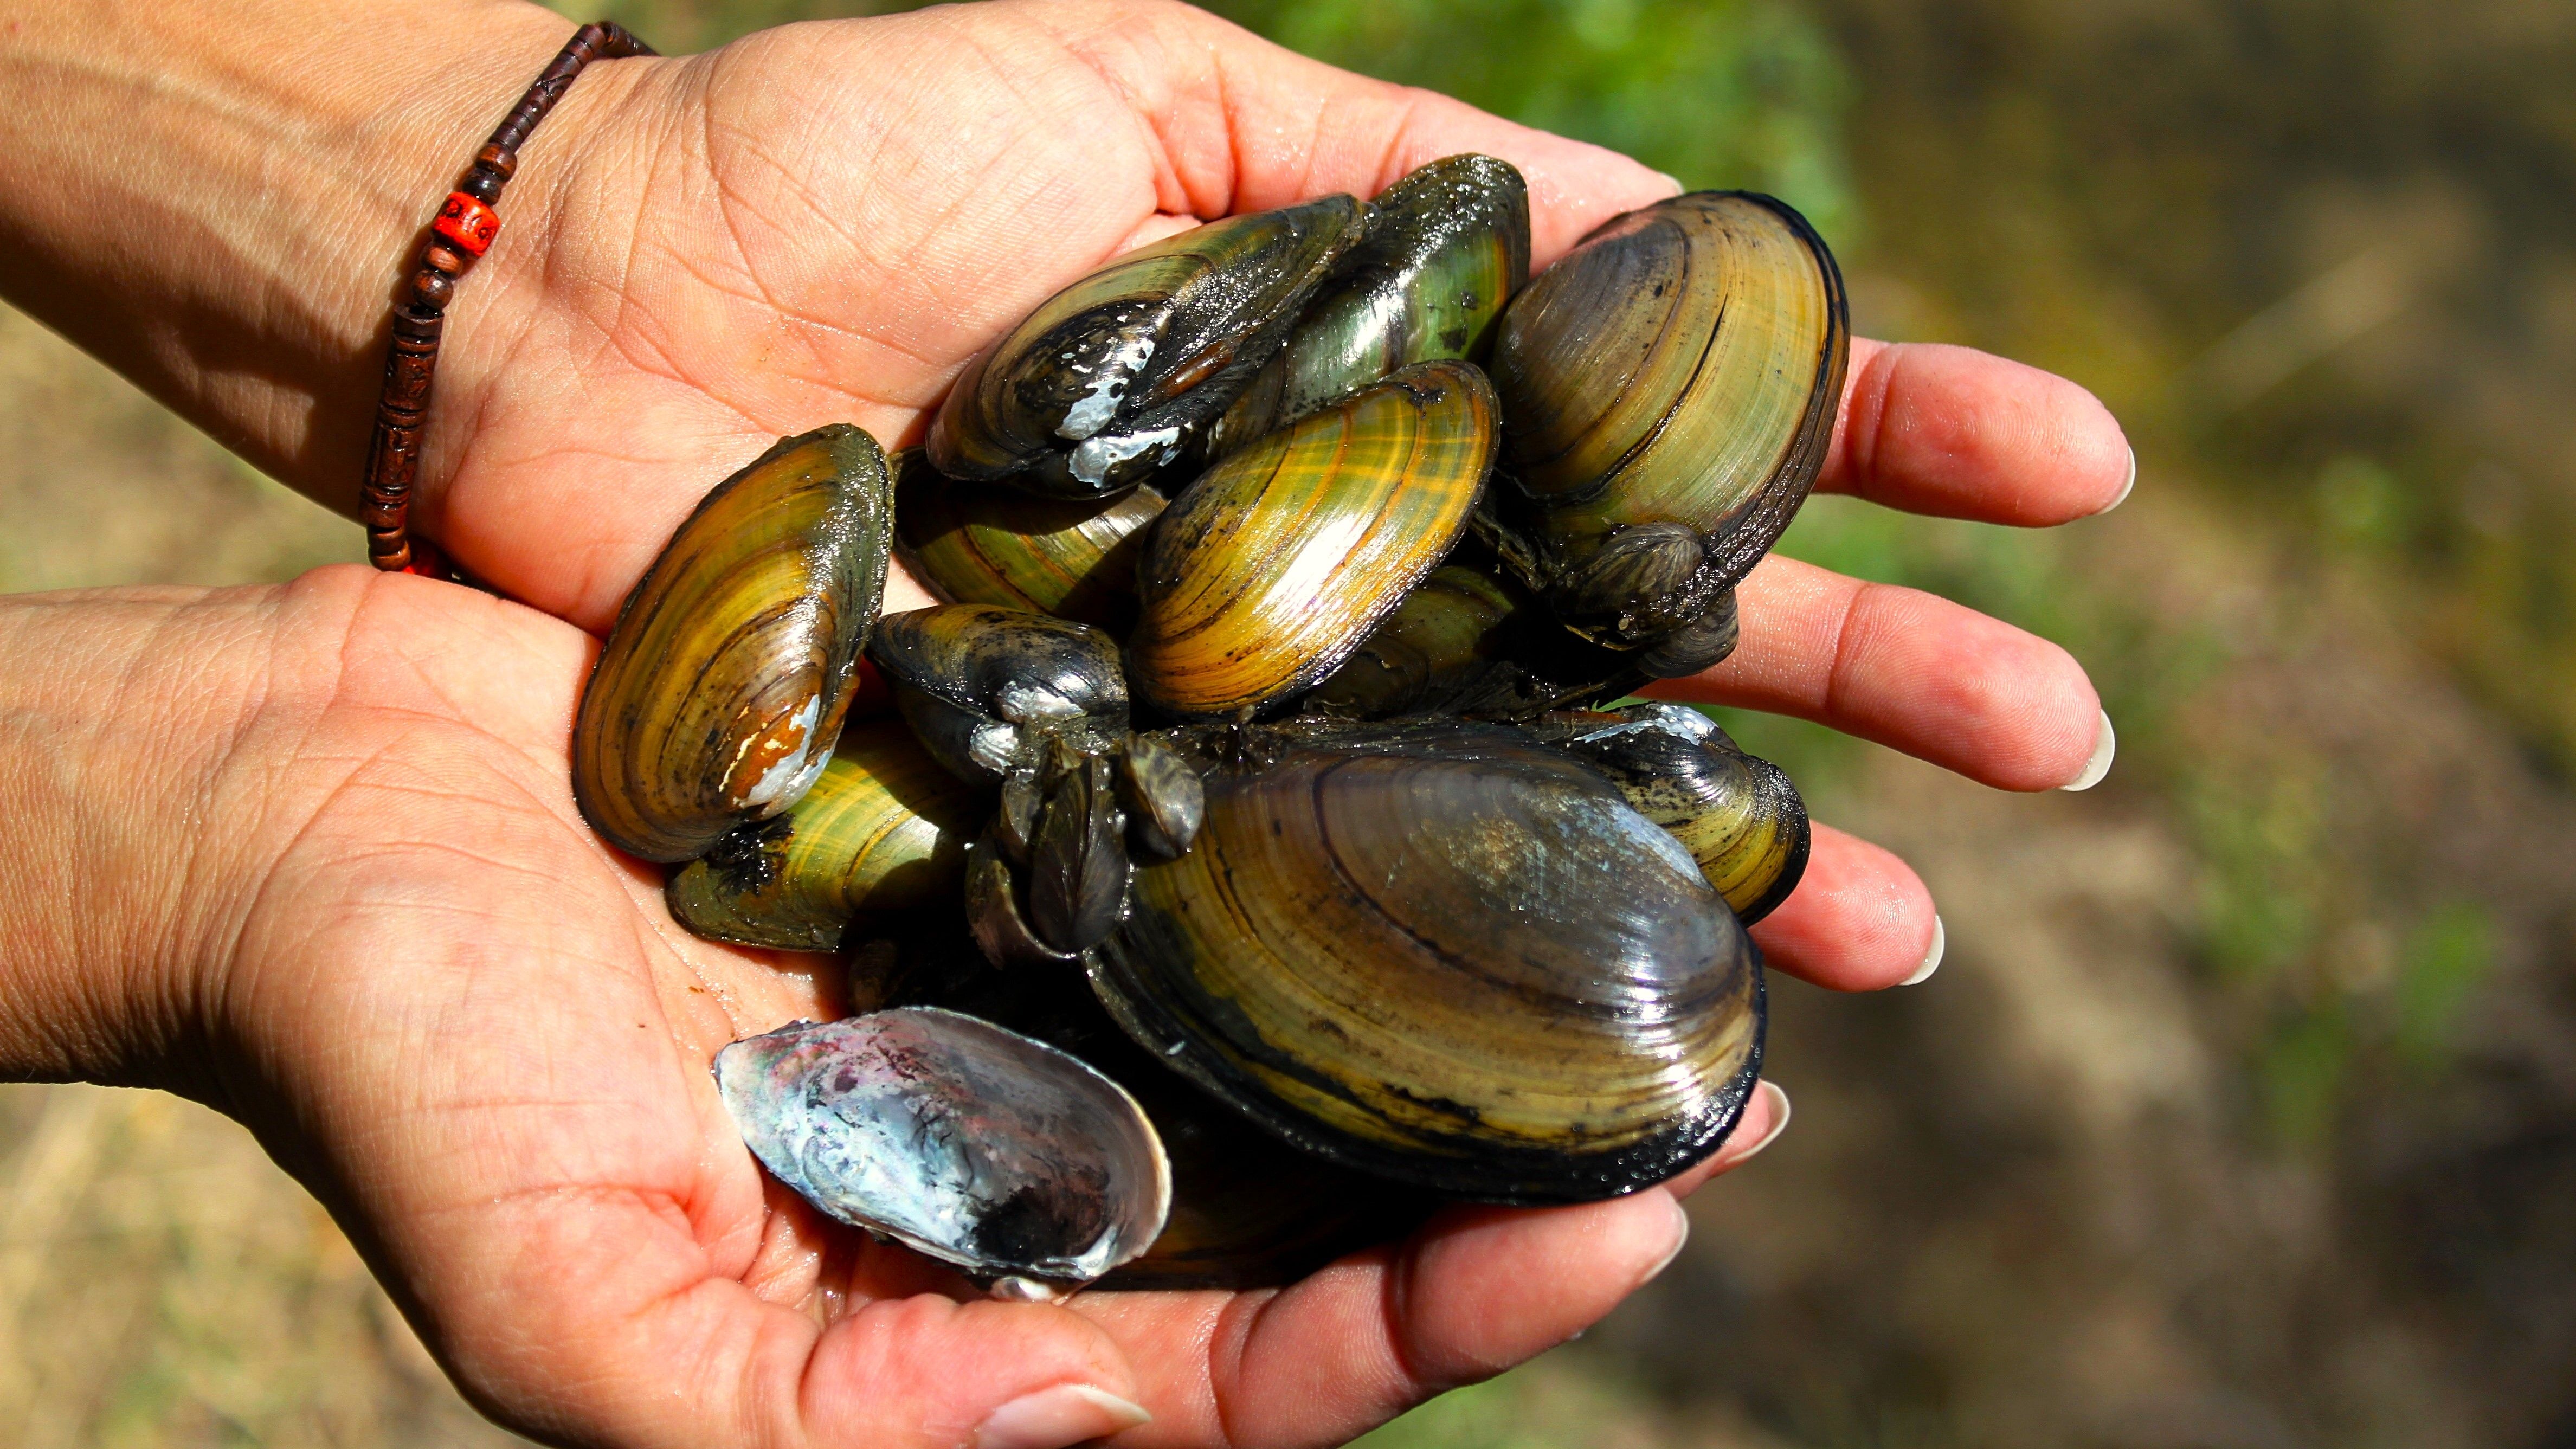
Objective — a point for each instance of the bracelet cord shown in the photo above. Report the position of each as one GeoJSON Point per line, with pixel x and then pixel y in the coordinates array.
{"type": "Point", "coordinates": [464, 229]}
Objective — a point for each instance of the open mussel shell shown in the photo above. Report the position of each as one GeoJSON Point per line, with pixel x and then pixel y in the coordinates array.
{"type": "Point", "coordinates": [1444, 249]}
{"type": "Point", "coordinates": [975, 1145]}
{"type": "Point", "coordinates": [1470, 641]}
{"type": "Point", "coordinates": [1669, 391]}
{"type": "Point", "coordinates": [725, 679]}
{"type": "Point", "coordinates": [1445, 954]}
{"type": "Point", "coordinates": [1071, 557]}
{"type": "Point", "coordinates": [1114, 377]}
{"type": "Point", "coordinates": [884, 829]}
{"type": "Point", "coordinates": [983, 685]}
{"type": "Point", "coordinates": [1738, 815]}
{"type": "Point", "coordinates": [1267, 572]}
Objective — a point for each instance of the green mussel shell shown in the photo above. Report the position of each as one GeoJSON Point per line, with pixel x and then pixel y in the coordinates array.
{"type": "Point", "coordinates": [1267, 572]}
{"type": "Point", "coordinates": [971, 544]}
{"type": "Point", "coordinates": [1739, 815]}
{"type": "Point", "coordinates": [1669, 391]}
{"type": "Point", "coordinates": [1114, 377]}
{"type": "Point", "coordinates": [725, 679]}
{"type": "Point", "coordinates": [884, 829]}
{"type": "Point", "coordinates": [1444, 249]}
{"type": "Point", "coordinates": [1448, 955]}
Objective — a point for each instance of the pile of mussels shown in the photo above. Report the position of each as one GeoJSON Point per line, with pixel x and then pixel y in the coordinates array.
{"type": "Point", "coordinates": [1252, 858]}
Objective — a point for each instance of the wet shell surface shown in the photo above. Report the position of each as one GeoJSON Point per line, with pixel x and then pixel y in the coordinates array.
{"type": "Point", "coordinates": [1448, 955]}
{"type": "Point", "coordinates": [983, 685]}
{"type": "Point", "coordinates": [1114, 377]}
{"type": "Point", "coordinates": [973, 1144]}
{"type": "Point", "coordinates": [1266, 573]}
{"type": "Point", "coordinates": [725, 679]}
{"type": "Point", "coordinates": [1071, 557]}
{"type": "Point", "coordinates": [1674, 377]}
{"type": "Point", "coordinates": [1443, 250]}
{"type": "Point", "coordinates": [884, 829]}
{"type": "Point", "coordinates": [1737, 814]}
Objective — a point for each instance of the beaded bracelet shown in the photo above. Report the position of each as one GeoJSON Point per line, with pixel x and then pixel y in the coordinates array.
{"type": "Point", "coordinates": [463, 231]}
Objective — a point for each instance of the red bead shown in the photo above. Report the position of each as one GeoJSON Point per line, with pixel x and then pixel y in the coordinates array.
{"type": "Point", "coordinates": [468, 223]}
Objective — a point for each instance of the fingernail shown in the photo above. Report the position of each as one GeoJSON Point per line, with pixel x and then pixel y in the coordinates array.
{"type": "Point", "coordinates": [2126, 488]}
{"type": "Point", "coordinates": [1681, 1238]}
{"type": "Point", "coordinates": [2105, 745]}
{"type": "Point", "coordinates": [1058, 1417]}
{"type": "Point", "coordinates": [1932, 958]}
{"type": "Point", "coordinates": [1779, 1120]}
{"type": "Point", "coordinates": [1671, 180]}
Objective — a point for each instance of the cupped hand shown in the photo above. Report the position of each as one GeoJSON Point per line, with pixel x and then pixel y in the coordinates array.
{"type": "Point", "coordinates": [823, 222]}
{"type": "Point", "coordinates": [472, 1029]}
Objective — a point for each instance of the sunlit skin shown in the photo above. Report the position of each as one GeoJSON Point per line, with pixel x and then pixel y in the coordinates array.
{"type": "Point", "coordinates": [383, 937]}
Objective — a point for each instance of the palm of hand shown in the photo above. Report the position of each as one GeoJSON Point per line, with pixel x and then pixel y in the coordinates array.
{"type": "Point", "coordinates": [822, 224]}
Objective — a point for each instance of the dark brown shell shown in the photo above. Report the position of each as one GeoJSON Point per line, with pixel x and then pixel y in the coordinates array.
{"type": "Point", "coordinates": [1113, 377]}
{"type": "Point", "coordinates": [1447, 955]}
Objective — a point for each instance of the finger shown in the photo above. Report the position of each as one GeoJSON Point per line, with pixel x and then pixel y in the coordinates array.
{"type": "Point", "coordinates": [1860, 919]}
{"type": "Point", "coordinates": [1956, 433]}
{"type": "Point", "coordinates": [1474, 1293]}
{"type": "Point", "coordinates": [1908, 670]}
{"type": "Point", "coordinates": [1245, 125]}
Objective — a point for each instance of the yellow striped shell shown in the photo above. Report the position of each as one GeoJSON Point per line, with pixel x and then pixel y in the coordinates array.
{"type": "Point", "coordinates": [724, 681]}
{"type": "Point", "coordinates": [1266, 573]}
{"type": "Point", "coordinates": [973, 543]}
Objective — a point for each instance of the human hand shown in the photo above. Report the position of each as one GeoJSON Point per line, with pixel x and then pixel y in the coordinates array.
{"type": "Point", "coordinates": [469, 1026]}
{"type": "Point", "coordinates": [749, 243]}
{"type": "Point", "coordinates": [385, 940]}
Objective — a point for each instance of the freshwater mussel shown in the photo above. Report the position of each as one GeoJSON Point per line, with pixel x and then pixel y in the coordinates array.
{"type": "Point", "coordinates": [972, 1144]}
{"type": "Point", "coordinates": [1266, 754]}
{"type": "Point", "coordinates": [1669, 390]}
{"type": "Point", "coordinates": [732, 663]}
{"type": "Point", "coordinates": [1114, 377]}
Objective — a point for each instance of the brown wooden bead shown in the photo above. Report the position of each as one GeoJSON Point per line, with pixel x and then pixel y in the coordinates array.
{"type": "Point", "coordinates": [500, 160]}
{"type": "Point", "coordinates": [482, 184]}
{"type": "Point", "coordinates": [444, 258]}
{"type": "Point", "coordinates": [433, 289]}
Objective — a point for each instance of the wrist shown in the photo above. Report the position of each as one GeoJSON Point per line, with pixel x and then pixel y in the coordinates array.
{"type": "Point", "coordinates": [218, 200]}
{"type": "Point", "coordinates": [120, 717]}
